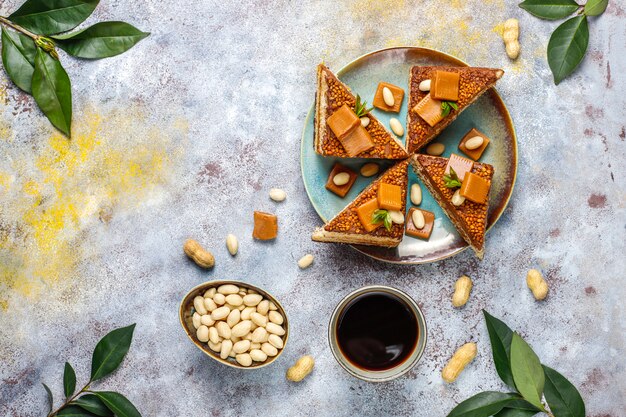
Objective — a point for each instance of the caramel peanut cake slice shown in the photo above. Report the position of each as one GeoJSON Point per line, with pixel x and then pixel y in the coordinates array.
{"type": "Point", "coordinates": [376, 216]}
{"type": "Point", "coordinates": [338, 128]}
{"type": "Point", "coordinates": [461, 187]}
{"type": "Point", "coordinates": [437, 95]}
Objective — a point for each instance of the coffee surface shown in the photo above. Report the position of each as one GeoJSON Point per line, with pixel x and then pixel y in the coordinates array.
{"type": "Point", "coordinates": [377, 331]}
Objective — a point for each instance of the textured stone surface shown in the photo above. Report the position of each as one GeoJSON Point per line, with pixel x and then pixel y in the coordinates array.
{"type": "Point", "coordinates": [185, 135]}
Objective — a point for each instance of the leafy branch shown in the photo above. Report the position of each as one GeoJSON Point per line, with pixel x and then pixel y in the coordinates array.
{"type": "Point", "coordinates": [30, 36]}
{"type": "Point", "coordinates": [519, 367]}
{"type": "Point", "coordinates": [106, 358]}
{"type": "Point", "coordinates": [568, 43]}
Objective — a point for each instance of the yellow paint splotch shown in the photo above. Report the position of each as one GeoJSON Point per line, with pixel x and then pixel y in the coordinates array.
{"type": "Point", "coordinates": [111, 164]}
{"type": "Point", "coordinates": [377, 8]}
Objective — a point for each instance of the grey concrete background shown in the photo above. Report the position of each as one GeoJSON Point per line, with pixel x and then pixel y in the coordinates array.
{"type": "Point", "coordinates": [185, 135]}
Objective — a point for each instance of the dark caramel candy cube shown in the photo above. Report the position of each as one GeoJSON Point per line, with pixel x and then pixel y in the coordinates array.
{"type": "Point", "coordinates": [357, 141]}
{"type": "Point", "coordinates": [475, 188]}
{"type": "Point", "coordinates": [475, 154]}
{"type": "Point", "coordinates": [389, 196]}
{"type": "Point", "coordinates": [343, 121]}
{"type": "Point", "coordinates": [265, 226]}
{"type": "Point", "coordinates": [423, 233]}
{"type": "Point", "coordinates": [340, 190]}
{"type": "Point", "coordinates": [379, 100]}
{"type": "Point", "coordinates": [429, 109]}
{"type": "Point", "coordinates": [460, 165]}
{"type": "Point", "coordinates": [445, 86]}
{"type": "Point", "coordinates": [365, 212]}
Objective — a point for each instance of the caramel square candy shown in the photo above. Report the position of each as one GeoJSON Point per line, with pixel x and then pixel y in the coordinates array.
{"type": "Point", "coordinates": [429, 109]}
{"type": "Point", "coordinates": [475, 188]}
{"type": "Point", "coordinates": [475, 154]}
{"type": "Point", "coordinates": [389, 196]}
{"type": "Point", "coordinates": [343, 121]}
{"type": "Point", "coordinates": [357, 141]}
{"type": "Point", "coordinates": [265, 226]}
{"type": "Point", "coordinates": [445, 86]}
{"type": "Point", "coordinates": [460, 165]}
{"type": "Point", "coordinates": [379, 100]}
{"type": "Point", "coordinates": [365, 212]}
{"type": "Point", "coordinates": [340, 190]}
{"type": "Point", "coordinates": [424, 232]}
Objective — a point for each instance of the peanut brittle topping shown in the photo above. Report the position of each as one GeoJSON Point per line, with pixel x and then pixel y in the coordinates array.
{"type": "Point", "coordinates": [384, 146]}
{"type": "Point", "coordinates": [471, 215]}
{"type": "Point", "coordinates": [472, 83]}
{"type": "Point", "coordinates": [348, 221]}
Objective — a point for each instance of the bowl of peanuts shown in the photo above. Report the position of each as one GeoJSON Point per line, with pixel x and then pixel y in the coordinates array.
{"type": "Point", "coordinates": [235, 323]}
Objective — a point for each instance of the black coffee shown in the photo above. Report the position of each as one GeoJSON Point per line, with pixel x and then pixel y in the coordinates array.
{"type": "Point", "coordinates": [377, 331]}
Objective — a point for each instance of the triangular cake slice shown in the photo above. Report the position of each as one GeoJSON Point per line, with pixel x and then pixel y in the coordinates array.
{"type": "Point", "coordinates": [332, 94]}
{"type": "Point", "coordinates": [473, 82]}
{"type": "Point", "coordinates": [469, 218]}
{"type": "Point", "coordinates": [347, 226]}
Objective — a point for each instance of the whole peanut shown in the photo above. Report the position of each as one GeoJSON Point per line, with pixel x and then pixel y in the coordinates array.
{"type": "Point", "coordinates": [537, 284]}
{"type": "Point", "coordinates": [463, 355]}
{"type": "Point", "coordinates": [301, 369]}
{"type": "Point", "coordinates": [462, 289]}
{"type": "Point", "coordinates": [198, 254]}
{"type": "Point", "coordinates": [510, 37]}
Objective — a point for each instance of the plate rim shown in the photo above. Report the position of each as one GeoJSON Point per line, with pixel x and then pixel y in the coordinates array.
{"type": "Point", "coordinates": [506, 113]}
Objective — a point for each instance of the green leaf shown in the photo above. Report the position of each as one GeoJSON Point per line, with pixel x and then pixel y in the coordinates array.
{"type": "Point", "coordinates": [18, 57]}
{"type": "Point", "coordinates": [550, 9]}
{"type": "Point", "coordinates": [595, 7]}
{"type": "Point", "coordinates": [447, 107]}
{"type": "Point", "coordinates": [93, 404]}
{"type": "Point", "coordinates": [484, 404]}
{"type": "Point", "coordinates": [567, 47]}
{"type": "Point", "coordinates": [360, 108]}
{"type": "Point", "coordinates": [110, 352]}
{"type": "Point", "coordinates": [69, 380]}
{"type": "Point", "coordinates": [514, 412]}
{"type": "Point", "coordinates": [382, 216]}
{"type": "Point", "coordinates": [452, 180]}
{"type": "Point", "coordinates": [118, 404]}
{"type": "Point", "coordinates": [562, 397]}
{"type": "Point", "coordinates": [500, 336]}
{"type": "Point", "coordinates": [527, 371]}
{"type": "Point", "coordinates": [518, 408]}
{"type": "Point", "coordinates": [523, 405]}
{"type": "Point", "coordinates": [46, 17]}
{"type": "Point", "coordinates": [50, 397]}
{"type": "Point", "coordinates": [74, 411]}
{"type": "Point", "coordinates": [101, 40]}
{"type": "Point", "coordinates": [52, 91]}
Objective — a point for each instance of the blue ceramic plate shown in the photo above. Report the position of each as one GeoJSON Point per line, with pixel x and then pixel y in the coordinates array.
{"type": "Point", "coordinates": [488, 114]}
